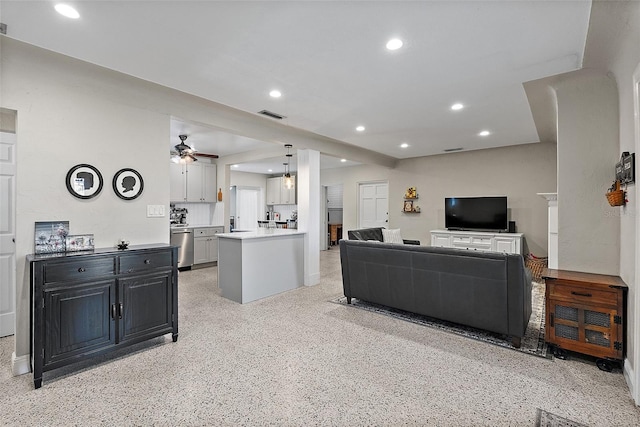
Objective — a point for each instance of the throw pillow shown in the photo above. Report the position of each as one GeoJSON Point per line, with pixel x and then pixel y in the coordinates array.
{"type": "Point", "coordinates": [392, 236]}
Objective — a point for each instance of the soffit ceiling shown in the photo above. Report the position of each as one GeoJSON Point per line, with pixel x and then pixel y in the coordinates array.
{"type": "Point", "coordinates": [330, 62]}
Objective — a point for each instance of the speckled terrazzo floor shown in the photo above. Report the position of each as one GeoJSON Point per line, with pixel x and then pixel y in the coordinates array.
{"type": "Point", "coordinates": [297, 359]}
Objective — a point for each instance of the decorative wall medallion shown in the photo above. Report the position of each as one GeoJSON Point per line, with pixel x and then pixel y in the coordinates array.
{"type": "Point", "coordinates": [84, 181]}
{"type": "Point", "coordinates": [128, 184]}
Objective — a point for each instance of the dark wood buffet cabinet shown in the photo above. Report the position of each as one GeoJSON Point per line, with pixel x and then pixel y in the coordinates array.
{"type": "Point", "coordinates": [88, 304]}
{"type": "Point", "coordinates": [585, 313]}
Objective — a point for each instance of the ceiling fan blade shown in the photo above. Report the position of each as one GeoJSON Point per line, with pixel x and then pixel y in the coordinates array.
{"type": "Point", "coordinates": [211, 156]}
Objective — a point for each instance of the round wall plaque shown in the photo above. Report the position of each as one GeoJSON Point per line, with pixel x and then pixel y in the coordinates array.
{"type": "Point", "coordinates": [128, 184]}
{"type": "Point", "coordinates": [84, 181]}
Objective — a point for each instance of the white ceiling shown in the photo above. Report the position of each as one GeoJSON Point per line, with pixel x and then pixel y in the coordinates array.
{"type": "Point", "coordinates": [330, 62]}
{"type": "Point", "coordinates": [207, 140]}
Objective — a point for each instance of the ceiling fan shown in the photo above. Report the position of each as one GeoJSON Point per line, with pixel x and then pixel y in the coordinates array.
{"type": "Point", "coordinates": [182, 153]}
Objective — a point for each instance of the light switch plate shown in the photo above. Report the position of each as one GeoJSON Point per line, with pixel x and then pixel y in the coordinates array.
{"type": "Point", "coordinates": [155, 211]}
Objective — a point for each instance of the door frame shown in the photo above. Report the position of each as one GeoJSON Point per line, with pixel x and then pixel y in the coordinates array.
{"type": "Point", "coordinates": [324, 214]}
{"type": "Point", "coordinates": [632, 373]}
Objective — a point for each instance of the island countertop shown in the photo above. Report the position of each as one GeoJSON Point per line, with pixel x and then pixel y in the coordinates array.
{"type": "Point", "coordinates": [260, 233]}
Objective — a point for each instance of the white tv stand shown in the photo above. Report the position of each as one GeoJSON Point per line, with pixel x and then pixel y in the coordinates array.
{"type": "Point", "coordinates": [510, 243]}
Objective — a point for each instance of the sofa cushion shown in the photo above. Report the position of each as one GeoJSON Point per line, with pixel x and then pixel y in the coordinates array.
{"type": "Point", "coordinates": [366, 234]}
{"type": "Point", "coordinates": [392, 236]}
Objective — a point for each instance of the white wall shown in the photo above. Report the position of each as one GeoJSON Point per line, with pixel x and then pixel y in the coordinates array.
{"type": "Point", "coordinates": [612, 47]}
{"type": "Point", "coordinates": [519, 172]}
{"type": "Point", "coordinates": [588, 228]}
{"type": "Point", "coordinates": [61, 123]}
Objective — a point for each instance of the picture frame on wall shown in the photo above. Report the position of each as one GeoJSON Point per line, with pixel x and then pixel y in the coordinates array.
{"type": "Point", "coordinates": [408, 206]}
{"type": "Point", "coordinates": [51, 237]}
{"type": "Point", "coordinates": [128, 184]}
{"type": "Point", "coordinates": [84, 181]}
{"type": "Point", "coordinates": [628, 164]}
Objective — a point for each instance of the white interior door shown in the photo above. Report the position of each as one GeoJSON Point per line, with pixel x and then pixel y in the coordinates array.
{"type": "Point", "coordinates": [247, 208]}
{"type": "Point", "coordinates": [373, 205]}
{"type": "Point", "coordinates": [7, 233]}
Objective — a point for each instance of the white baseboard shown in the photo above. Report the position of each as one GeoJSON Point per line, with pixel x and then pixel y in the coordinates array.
{"type": "Point", "coordinates": [629, 376]}
{"type": "Point", "coordinates": [20, 365]}
{"type": "Point", "coordinates": [312, 279]}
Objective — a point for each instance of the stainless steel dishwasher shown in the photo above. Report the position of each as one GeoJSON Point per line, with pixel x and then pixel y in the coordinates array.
{"type": "Point", "coordinates": [183, 239]}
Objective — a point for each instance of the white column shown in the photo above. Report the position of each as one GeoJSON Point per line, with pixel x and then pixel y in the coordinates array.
{"type": "Point", "coordinates": [552, 246]}
{"type": "Point", "coordinates": [309, 212]}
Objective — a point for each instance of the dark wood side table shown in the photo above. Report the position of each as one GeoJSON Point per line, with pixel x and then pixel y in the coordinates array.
{"type": "Point", "coordinates": [335, 233]}
{"type": "Point", "coordinates": [585, 313]}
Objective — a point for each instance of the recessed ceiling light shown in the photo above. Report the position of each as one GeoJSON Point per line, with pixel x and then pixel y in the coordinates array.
{"type": "Point", "coordinates": [456, 107]}
{"type": "Point", "coordinates": [360, 128]}
{"type": "Point", "coordinates": [275, 93]}
{"type": "Point", "coordinates": [270, 170]}
{"type": "Point", "coordinates": [343, 160]}
{"type": "Point", "coordinates": [404, 145]}
{"type": "Point", "coordinates": [234, 166]}
{"type": "Point", "coordinates": [485, 133]}
{"type": "Point", "coordinates": [394, 44]}
{"type": "Point", "coordinates": [66, 10]}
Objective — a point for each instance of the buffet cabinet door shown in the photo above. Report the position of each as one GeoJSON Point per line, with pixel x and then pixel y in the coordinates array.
{"type": "Point", "coordinates": [79, 320]}
{"type": "Point", "coordinates": [145, 306]}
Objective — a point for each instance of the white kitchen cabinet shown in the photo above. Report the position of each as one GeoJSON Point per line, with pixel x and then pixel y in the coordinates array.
{"type": "Point", "coordinates": [201, 182]}
{"type": "Point", "coordinates": [205, 244]}
{"type": "Point", "coordinates": [177, 182]}
{"type": "Point", "coordinates": [510, 243]}
{"type": "Point", "coordinates": [195, 182]}
{"type": "Point", "coordinates": [273, 190]}
{"type": "Point", "coordinates": [278, 194]}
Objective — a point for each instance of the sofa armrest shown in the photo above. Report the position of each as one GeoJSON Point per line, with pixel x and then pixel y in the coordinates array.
{"type": "Point", "coordinates": [410, 242]}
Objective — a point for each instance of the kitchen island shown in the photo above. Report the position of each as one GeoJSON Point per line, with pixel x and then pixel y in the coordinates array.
{"type": "Point", "coordinates": [259, 263]}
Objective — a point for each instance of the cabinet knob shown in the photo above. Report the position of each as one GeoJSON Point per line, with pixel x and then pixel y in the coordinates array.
{"type": "Point", "coordinates": [147, 261]}
{"type": "Point", "coordinates": [81, 270]}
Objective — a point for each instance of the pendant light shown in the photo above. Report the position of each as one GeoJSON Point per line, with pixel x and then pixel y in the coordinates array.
{"type": "Point", "coordinates": [288, 180]}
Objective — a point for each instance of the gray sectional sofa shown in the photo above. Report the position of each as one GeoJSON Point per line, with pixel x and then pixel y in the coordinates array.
{"type": "Point", "coordinates": [485, 290]}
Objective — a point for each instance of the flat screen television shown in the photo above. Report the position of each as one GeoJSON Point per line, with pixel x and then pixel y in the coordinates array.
{"type": "Point", "coordinates": [476, 213]}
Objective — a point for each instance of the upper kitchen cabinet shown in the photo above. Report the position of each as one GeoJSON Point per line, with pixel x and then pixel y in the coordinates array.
{"type": "Point", "coordinates": [273, 190]}
{"type": "Point", "coordinates": [195, 182]}
{"type": "Point", "coordinates": [278, 194]}
{"type": "Point", "coordinates": [177, 182]}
